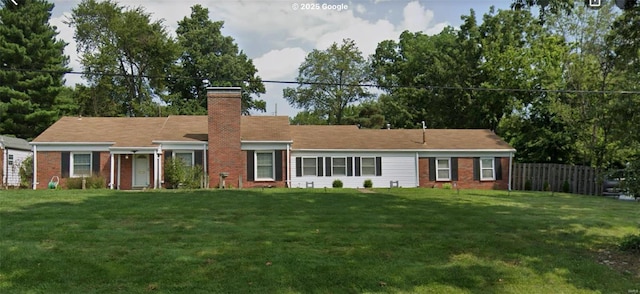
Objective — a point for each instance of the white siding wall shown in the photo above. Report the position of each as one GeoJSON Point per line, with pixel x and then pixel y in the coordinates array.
{"type": "Point", "coordinates": [12, 176]}
{"type": "Point", "coordinates": [396, 166]}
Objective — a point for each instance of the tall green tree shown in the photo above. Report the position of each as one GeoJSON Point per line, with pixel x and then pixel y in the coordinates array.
{"type": "Point", "coordinates": [330, 80]}
{"type": "Point", "coordinates": [125, 49]}
{"type": "Point", "coordinates": [32, 66]}
{"type": "Point", "coordinates": [209, 58]}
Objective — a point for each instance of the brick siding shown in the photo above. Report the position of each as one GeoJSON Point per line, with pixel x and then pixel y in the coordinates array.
{"type": "Point", "coordinates": [465, 175]}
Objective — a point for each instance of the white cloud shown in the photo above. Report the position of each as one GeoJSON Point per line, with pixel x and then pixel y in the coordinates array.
{"type": "Point", "coordinates": [66, 34]}
{"type": "Point", "coordinates": [416, 17]}
{"type": "Point", "coordinates": [280, 64]}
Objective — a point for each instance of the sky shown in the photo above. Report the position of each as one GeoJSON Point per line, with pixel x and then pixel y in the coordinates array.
{"type": "Point", "coordinates": [278, 34]}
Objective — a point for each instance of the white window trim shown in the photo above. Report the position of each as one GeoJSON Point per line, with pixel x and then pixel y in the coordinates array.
{"type": "Point", "coordinates": [493, 169]}
{"type": "Point", "coordinates": [255, 166]}
{"type": "Point", "coordinates": [10, 159]}
{"type": "Point", "coordinates": [315, 173]}
{"type": "Point", "coordinates": [173, 156]}
{"type": "Point", "coordinates": [72, 172]}
{"type": "Point", "coordinates": [333, 165]}
{"type": "Point", "coordinates": [438, 178]}
{"type": "Point", "coordinates": [362, 166]}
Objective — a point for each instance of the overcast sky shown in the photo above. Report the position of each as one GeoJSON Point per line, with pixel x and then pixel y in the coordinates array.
{"type": "Point", "coordinates": [278, 34]}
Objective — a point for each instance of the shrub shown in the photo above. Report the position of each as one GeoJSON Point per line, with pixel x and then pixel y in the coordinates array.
{"type": "Point", "coordinates": [368, 183]}
{"type": "Point", "coordinates": [447, 186]}
{"type": "Point", "coordinates": [337, 184]}
{"type": "Point", "coordinates": [630, 243]}
{"type": "Point", "coordinates": [93, 182]}
{"type": "Point", "coordinates": [26, 172]}
{"type": "Point", "coordinates": [566, 188]}
{"type": "Point", "coordinates": [546, 186]}
{"type": "Point", "coordinates": [528, 186]}
{"type": "Point", "coordinates": [178, 175]}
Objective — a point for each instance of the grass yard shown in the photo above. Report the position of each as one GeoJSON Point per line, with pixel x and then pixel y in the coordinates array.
{"type": "Point", "coordinates": [315, 241]}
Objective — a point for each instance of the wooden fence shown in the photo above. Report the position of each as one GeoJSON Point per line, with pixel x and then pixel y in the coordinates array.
{"type": "Point", "coordinates": [546, 176]}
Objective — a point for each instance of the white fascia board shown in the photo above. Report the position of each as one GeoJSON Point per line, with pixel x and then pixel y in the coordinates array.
{"type": "Point", "coordinates": [264, 145]}
{"type": "Point", "coordinates": [406, 150]}
{"type": "Point", "coordinates": [182, 145]}
{"type": "Point", "coordinates": [72, 146]}
{"type": "Point", "coordinates": [130, 150]}
{"type": "Point", "coordinates": [269, 142]}
{"type": "Point", "coordinates": [469, 150]}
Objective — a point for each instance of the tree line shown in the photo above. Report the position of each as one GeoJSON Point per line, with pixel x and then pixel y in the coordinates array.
{"type": "Point", "coordinates": [557, 79]}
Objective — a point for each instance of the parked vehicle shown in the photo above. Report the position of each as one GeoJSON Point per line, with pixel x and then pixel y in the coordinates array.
{"type": "Point", "coordinates": [612, 184]}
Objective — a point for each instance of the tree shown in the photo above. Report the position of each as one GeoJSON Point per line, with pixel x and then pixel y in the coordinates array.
{"type": "Point", "coordinates": [208, 58]}
{"type": "Point", "coordinates": [124, 49]}
{"type": "Point", "coordinates": [330, 80]}
{"type": "Point", "coordinates": [32, 68]}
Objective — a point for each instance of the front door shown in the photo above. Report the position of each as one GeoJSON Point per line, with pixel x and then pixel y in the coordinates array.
{"type": "Point", "coordinates": [141, 170]}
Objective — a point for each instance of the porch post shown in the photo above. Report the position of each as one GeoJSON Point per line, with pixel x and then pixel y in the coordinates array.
{"type": "Point", "coordinates": [510, 168]}
{"type": "Point", "coordinates": [112, 169]}
{"type": "Point", "coordinates": [35, 167]}
{"type": "Point", "coordinates": [119, 162]}
{"type": "Point", "coordinates": [155, 170]}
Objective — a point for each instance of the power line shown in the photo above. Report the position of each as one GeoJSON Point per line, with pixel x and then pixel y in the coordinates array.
{"type": "Point", "coordinates": [426, 87]}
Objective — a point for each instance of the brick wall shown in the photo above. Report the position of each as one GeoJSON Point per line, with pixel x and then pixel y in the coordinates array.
{"type": "Point", "coordinates": [259, 184]}
{"type": "Point", "coordinates": [224, 155]}
{"type": "Point", "coordinates": [465, 175]}
{"type": "Point", "coordinates": [48, 166]}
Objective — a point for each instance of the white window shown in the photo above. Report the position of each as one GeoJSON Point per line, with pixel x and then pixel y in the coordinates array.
{"type": "Point", "coordinates": [185, 157]}
{"type": "Point", "coordinates": [265, 165]}
{"type": "Point", "coordinates": [339, 166]}
{"type": "Point", "coordinates": [443, 169]}
{"type": "Point", "coordinates": [487, 171]}
{"type": "Point", "coordinates": [80, 164]}
{"type": "Point", "coordinates": [309, 167]}
{"type": "Point", "coordinates": [10, 160]}
{"type": "Point", "coordinates": [368, 166]}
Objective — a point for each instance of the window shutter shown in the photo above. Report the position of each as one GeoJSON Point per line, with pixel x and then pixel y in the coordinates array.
{"type": "Point", "coordinates": [250, 166]}
{"type": "Point", "coordinates": [64, 164]}
{"type": "Point", "coordinates": [378, 166]}
{"type": "Point", "coordinates": [454, 168]}
{"type": "Point", "coordinates": [358, 167]}
{"type": "Point", "coordinates": [278, 165]}
{"type": "Point", "coordinates": [349, 166]}
{"type": "Point", "coordinates": [95, 162]}
{"type": "Point", "coordinates": [476, 168]}
{"type": "Point", "coordinates": [198, 157]}
{"type": "Point", "coordinates": [498, 166]}
{"type": "Point", "coordinates": [320, 168]}
{"type": "Point", "coordinates": [432, 169]}
{"type": "Point", "coordinates": [327, 166]}
{"type": "Point", "coordinates": [298, 166]}
{"type": "Point", "coordinates": [167, 154]}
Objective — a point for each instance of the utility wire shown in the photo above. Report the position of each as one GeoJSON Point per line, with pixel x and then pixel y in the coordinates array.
{"type": "Point", "coordinates": [428, 87]}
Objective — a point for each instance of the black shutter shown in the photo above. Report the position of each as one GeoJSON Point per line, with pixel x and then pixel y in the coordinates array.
{"type": "Point", "coordinates": [454, 168]}
{"type": "Point", "coordinates": [320, 168]}
{"type": "Point", "coordinates": [432, 169]}
{"type": "Point", "coordinates": [476, 168]}
{"type": "Point", "coordinates": [95, 162]}
{"type": "Point", "coordinates": [278, 165]}
{"type": "Point", "coordinates": [250, 165]}
{"type": "Point", "coordinates": [349, 166]}
{"type": "Point", "coordinates": [198, 157]}
{"type": "Point", "coordinates": [64, 164]}
{"type": "Point", "coordinates": [378, 166]}
{"type": "Point", "coordinates": [498, 166]}
{"type": "Point", "coordinates": [327, 166]}
{"type": "Point", "coordinates": [167, 154]}
{"type": "Point", "coordinates": [298, 166]}
{"type": "Point", "coordinates": [357, 166]}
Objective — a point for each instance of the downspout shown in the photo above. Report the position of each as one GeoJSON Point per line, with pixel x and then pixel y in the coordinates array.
{"type": "Point", "coordinates": [119, 162]}
{"type": "Point", "coordinates": [35, 167]}
{"type": "Point", "coordinates": [417, 170]}
{"type": "Point", "coordinates": [5, 162]}
{"type": "Point", "coordinates": [288, 166]}
{"type": "Point", "coordinates": [510, 168]}
{"type": "Point", "coordinates": [111, 170]}
{"type": "Point", "coordinates": [155, 169]}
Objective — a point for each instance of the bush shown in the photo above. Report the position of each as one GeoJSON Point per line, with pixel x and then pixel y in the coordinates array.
{"type": "Point", "coordinates": [447, 186]}
{"type": "Point", "coordinates": [26, 172]}
{"type": "Point", "coordinates": [630, 243]}
{"type": "Point", "coordinates": [566, 187]}
{"type": "Point", "coordinates": [93, 182]}
{"type": "Point", "coordinates": [367, 183]}
{"type": "Point", "coordinates": [546, 186]}
{"type": "Point", "coordinates": [178, 175]}
{"type": "Point", "coordinates": [528, 186]}
{"type": "Point", "coordinates": [337, 184]}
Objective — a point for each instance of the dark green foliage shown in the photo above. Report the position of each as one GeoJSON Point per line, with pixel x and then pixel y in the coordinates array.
{"type": "Point", "coordinates": [32, 66]}
{"type": "Point", "coordinates": [367, 183]}
{"type": "Point", "coordinates": [93, 182]}
{"type": "Point", "coordinates": [179, 175]}
{"type": "Point", "coordinates": [208, 58]}
{"type": "Point", "coordinates": [26, 172]}
{"type": "Point", "coordinates": [631, 243]}
{"type": "Point", "coordinates": [337, 184]}
{"type": "Point", "coordinates": [566, 187]}
{"type": "Point", "coordinates": [528, 185]}
{"type": "Point", "coordinates": [546, 186]}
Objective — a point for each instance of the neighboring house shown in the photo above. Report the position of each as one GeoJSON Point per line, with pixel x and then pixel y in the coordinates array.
{"type": "Point", "coordinates": [13, 152]}
{"type": "Point", "coordinates": [261, 151]}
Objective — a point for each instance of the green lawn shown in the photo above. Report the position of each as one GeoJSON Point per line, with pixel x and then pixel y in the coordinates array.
{"type": "Point", "coordinates": [311, 241]}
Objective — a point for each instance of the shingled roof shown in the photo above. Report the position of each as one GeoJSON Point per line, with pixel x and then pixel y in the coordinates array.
{"type": "Point", "coordinates": [14, 143]}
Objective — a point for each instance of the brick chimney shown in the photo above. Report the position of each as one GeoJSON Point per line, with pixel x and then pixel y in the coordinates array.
{"type": "Point", "coordinates": [224, 107]}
